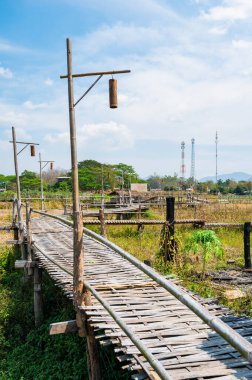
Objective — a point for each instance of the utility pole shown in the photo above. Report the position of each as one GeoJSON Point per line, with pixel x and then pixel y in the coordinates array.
{"type": "Point", "coordinates": [78, 283]}
{"type": "Point", "coordinates": [16, 163]}
{"type": "Point", "coordinates": [41, 167]}
{"type": "Point", "coordinates": [16, 153]}
{"type": "Point", "coordinates": [20, 218]}
{"type": "Point", "coordinates": [41, 184]}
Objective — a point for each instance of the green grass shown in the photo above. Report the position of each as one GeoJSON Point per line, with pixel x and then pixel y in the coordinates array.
{"type": "Point", "coordinates": [28, 353]}
{"type": "Point", "coordinates": [145, 244]}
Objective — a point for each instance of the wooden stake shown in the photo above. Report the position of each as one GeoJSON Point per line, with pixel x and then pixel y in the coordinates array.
{"type": "Point", "coordinates": [247, 257]}
{"type": "Point", "coordinates": [170, 242]}
{"type": "Point", "coordinates": [38, 302]}
{"type": "Point", "coordinates": [102, 221]}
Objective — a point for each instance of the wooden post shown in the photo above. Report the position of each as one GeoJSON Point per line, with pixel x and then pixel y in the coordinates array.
{"type": "Point", "coordinates": [29, 237]}
{"type": "Point", "coordinates": [139, 211]}
{"type": "Point", "coordinates": [130, 198]}
{"type": "Point", "coordinates": [38, 301]}
{"type": "Point", "coordinates": [80, 293]}
{"type": "Point", "coordinates": [14, 225]}
{"type": "Point", "coordinates": [21, 229]}
{"type": "Point", "coordinates": [102, 221]}
{"type": "Point", "coordinates": [16, 163]}
{"type": "Point", "coordinates": [65, 209]}
{"type": "Point", "coordinates": [41, 184]}
{"type": "Point", "coordinates": [247, 257]}
{"type": "Point", "coordinates": [170, 244]}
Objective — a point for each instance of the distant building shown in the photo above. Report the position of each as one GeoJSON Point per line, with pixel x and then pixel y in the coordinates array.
{"type": "Point", "coordinates": [62, 179]}
{"type": "Point", "coordinates": [139, 187]}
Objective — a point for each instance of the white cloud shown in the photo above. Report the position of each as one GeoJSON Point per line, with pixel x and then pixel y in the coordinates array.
{"type": "Point", "coordinates": [119, 37]}
{"type": "Point", "coordinates": [31, 106]}
{"type": "Point", "coordinates": [218, 30]}
{"type": "Point", "coordinates": [143, 9]}
{"type": "Point", "coordinates": [106, 136]}
{"type": "Point", "coordinates": [5, 146]}
{"type": "Point", "coordinates": [230, 10]}
{"type": "Point", "coordinates": [48, 82]}
{"type": "Point", "coordinates": [247, 72]}
{"type": "Point", "coordinates": [11, 115]}
{"type": "Point", "coordinates": [21, 133]}
{"type": "Point", "coordinates": [8, 47]}
{"type": "Point", "coordinates": [242, 44]}
{"type": "Point", "coordinates": [5, 73]}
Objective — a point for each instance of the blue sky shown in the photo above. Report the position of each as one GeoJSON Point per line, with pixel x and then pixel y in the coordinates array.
{"type": "Point", "coordinates": [191, 63]}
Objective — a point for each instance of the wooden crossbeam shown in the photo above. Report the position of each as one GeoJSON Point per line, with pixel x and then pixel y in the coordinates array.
{"type": "Point", "coordinates": [63, 327]}
{"type": "Point", "coordinates": [20, 264]}
{"type": "Point", "coordinates": [14, 242]}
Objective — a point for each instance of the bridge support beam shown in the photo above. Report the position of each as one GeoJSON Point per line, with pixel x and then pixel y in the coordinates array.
{"type": "Point", "coordinates": [93, 350]}
{"type": "Point", "coordinates": [38, 301]}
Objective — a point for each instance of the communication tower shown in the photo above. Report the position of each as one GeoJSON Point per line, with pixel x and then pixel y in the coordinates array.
{"type": "Point", "coordinates": [193, 160]}
{"type": "Point", "coordinates": [216, 157]}
{"type": "Point", "coordinates": [183, 159]}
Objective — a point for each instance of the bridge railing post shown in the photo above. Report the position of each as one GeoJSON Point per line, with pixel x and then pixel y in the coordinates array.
{"type": "Point", "coordinates": [38, 301]}
{"type": "Point", "coordinates": [102, 221]}
{"type": "Point", "coordinates": [29, 236]}
{"type": "Point", "coordinates": [247, 256]}
{"type": "Point", "coordinates": [21, 229]}
{"type": "Point", "coordinates": [14, 224]}
{"type": "Point", "coordinates": [169, 239]}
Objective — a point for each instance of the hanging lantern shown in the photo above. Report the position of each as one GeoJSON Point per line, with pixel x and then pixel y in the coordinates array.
{"type": "Point", "coordinates": [51, 165]}
{"type": "Point", "coordinates": [113, 93]}
{"type": "Point", "coordinates": [32, 150]}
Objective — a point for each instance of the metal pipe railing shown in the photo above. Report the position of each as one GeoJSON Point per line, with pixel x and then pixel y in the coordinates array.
{"type": "Point", "coordinates": [155, 364]}
{"type": "Point", "coordinates": [227, 333]}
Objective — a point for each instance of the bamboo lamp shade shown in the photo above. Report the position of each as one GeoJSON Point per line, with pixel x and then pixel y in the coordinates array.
{"type": "Point", "coordinates": [113, 93]}
{"type": "Point", "coordinates": [33, 150]}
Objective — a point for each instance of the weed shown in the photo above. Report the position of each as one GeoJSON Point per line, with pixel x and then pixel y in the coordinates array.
{"type": "Point", "coordinates": [207, 244]}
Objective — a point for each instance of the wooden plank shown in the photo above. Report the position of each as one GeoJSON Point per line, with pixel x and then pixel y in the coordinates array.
{"type": "Point", "coordinates": [14, 242]}
{"type": "Point", "coordinates": [63, 327]}
{"type": "Point", "coordinates": [20, 264]}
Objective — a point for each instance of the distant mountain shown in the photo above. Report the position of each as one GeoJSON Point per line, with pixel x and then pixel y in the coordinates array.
{"type": "Point", "coordinates": [237, 176]}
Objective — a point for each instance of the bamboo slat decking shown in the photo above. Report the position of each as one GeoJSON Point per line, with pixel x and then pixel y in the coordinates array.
{"type": "Point", "coordinates": [186, 346]}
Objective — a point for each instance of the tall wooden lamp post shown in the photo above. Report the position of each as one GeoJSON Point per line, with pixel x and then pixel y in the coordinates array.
{"type": "Point", "coordinates": [80, 295]}
{"type": "Point", "coordinates": [16, 153]}
{"type": "Point", "coordinates": [42, 165]}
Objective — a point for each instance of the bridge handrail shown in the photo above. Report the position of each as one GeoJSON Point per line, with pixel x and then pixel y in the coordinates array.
{"type": "Point", "coordinates": [226, 332]}
{"type": "Point", "coordinates": [156, 365]}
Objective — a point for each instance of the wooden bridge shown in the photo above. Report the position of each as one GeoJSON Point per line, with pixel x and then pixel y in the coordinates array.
{"type": "Point", "coordinates": [158, 329]}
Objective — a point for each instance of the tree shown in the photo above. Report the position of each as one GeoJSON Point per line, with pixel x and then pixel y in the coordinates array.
{"type": "Point", "coordinates": [92, 174]}
{"type": "Point", "coordinates": [29, 180]}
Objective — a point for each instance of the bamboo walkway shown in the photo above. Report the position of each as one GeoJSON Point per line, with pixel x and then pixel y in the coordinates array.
{"type": "Point", "coordinates": [185, 346]}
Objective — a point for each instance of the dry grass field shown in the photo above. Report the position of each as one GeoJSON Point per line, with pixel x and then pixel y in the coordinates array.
{"type": "Point", "coordinates": [145, 244]}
